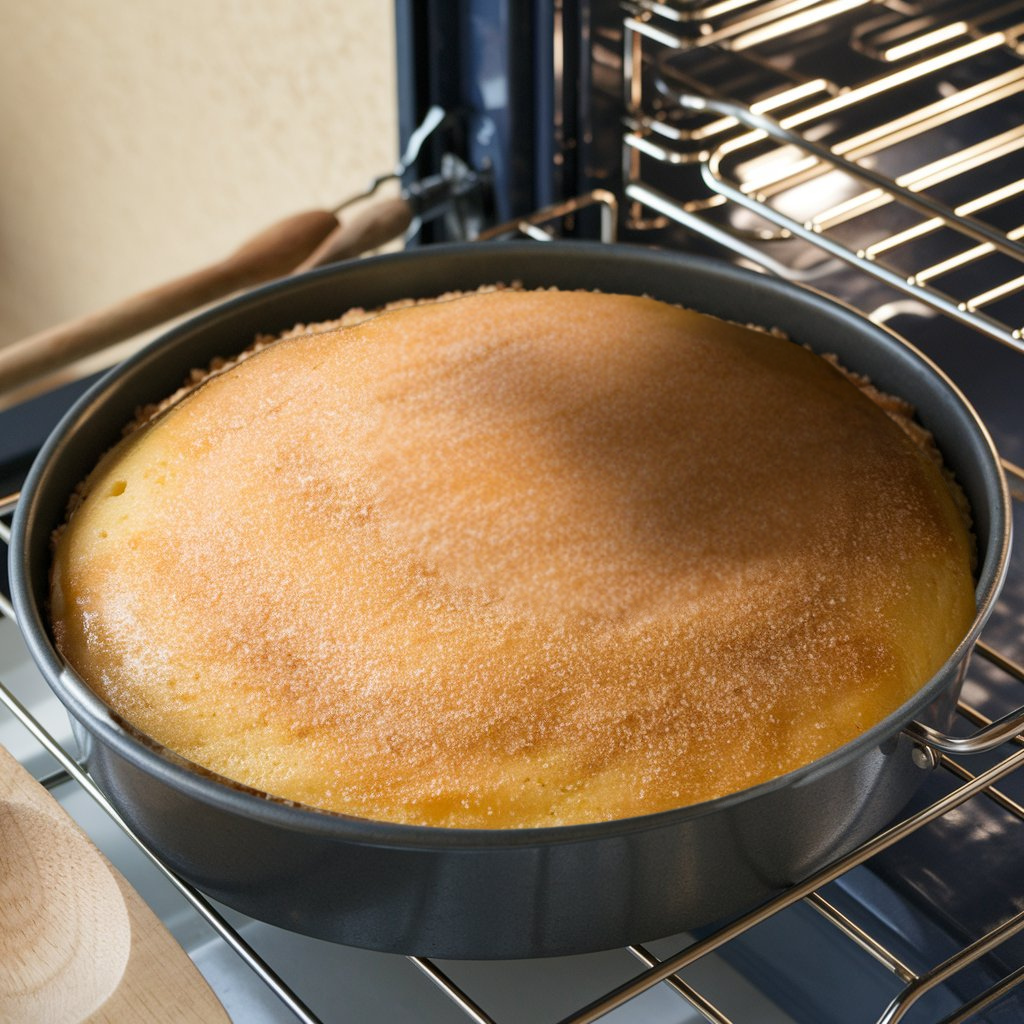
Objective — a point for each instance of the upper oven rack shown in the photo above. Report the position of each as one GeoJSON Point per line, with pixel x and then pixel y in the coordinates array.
{"type": "Point", "coordinates": [876, 161]}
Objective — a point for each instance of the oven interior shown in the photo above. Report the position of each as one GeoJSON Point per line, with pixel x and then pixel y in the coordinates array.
{"type": "Point", "coordinates": [870, 150]}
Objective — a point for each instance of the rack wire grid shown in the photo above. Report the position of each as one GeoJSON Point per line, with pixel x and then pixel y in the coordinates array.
{"type": "Point", "coordinates": [903, 160]}
{"type": "Point", "coordinates": [760, 165]}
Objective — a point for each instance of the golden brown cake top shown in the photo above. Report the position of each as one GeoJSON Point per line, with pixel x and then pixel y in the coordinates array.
{"type": "Point", "coordinates": [520, 558]}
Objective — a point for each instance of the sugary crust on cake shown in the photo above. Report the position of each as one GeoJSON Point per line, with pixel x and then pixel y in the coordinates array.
{"type": "Point", "coordinates": [350, 318]}
{"type": "Point", "coordinates": [519, 558]}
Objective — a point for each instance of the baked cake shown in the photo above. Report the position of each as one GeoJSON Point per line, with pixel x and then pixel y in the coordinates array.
{"type": "Point", "coordinates": [517, 558]}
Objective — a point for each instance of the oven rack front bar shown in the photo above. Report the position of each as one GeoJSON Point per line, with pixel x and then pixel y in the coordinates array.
{"type": "Point", "coordinates": [814, 892]}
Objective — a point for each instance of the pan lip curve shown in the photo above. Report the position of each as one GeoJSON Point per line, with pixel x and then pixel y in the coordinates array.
{"type": "Point", "coordinates": [100, 722]}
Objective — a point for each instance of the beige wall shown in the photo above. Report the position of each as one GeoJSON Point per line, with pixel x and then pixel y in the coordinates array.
{"type": "Point", "coordinates": [141, 139]}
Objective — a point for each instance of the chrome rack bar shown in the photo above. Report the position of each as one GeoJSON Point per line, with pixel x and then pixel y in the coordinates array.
{"type": "Point", "coordinates": [533, 225]}
{"type": "Point", "coordinates": [457, 996]}
{"type": "Point", "coordinates": [919, 987]}
{"type": "Point", "coordinates": [966, 310]}
{"type": "Point", "coordinates": [986, 998]}
{"type": "Point", "coordinates": [683, 989]}
{"type": "Point", "coordinates": [860, 937]}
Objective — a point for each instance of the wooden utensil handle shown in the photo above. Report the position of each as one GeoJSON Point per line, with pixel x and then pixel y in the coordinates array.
{"type": "Point", "coordinates": [76, 940]}
{"type": "Point", "coordinates": [271, 253]}
{"type": "Point", "coordinates": [375, 225]}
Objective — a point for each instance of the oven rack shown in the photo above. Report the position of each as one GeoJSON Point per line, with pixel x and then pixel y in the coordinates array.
{"type": "Point", "coordinates": [856, 161]}
{"type": "Point", "coordinates": [913, 982]}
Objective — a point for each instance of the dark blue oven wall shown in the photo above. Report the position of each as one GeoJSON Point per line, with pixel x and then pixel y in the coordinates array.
{"type": "Point", "coordinates": [518, 76]}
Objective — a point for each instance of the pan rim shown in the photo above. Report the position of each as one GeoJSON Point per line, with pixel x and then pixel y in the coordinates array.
{"type": "Point", "coordinates": [100, 722]}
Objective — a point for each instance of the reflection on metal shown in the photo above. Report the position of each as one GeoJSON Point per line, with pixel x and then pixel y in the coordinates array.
{"type": "Point", "coordinates": [546, 224]}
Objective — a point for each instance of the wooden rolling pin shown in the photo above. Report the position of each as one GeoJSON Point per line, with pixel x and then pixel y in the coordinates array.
{"type": "Point", "coordinates": [77, 942]}
{"type": "Point", "coordinates": [301, 241]}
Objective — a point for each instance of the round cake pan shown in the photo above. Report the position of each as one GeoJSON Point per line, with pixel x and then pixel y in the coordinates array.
{"type": "Point", "coordinates": [502, 893]}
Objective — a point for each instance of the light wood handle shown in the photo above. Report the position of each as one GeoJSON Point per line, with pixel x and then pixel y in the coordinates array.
{"type": "Point", "coordinates": [77, 942]}
{"type": "Point", "coordinates": [272, 253]}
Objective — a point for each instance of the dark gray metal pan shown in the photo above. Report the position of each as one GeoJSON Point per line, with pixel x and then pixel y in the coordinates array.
{"type": "Point", "coordinates": [505, 893]}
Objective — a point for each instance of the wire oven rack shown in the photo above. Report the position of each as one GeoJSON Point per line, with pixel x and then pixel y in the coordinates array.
{"type": "Point", "coordinates": [905, 164]}
{"type": "Point", "coordinates": [755, 150]}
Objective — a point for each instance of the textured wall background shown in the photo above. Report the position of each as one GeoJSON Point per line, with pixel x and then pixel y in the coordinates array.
{"type": "Point", "coordinates": [141, 140]}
